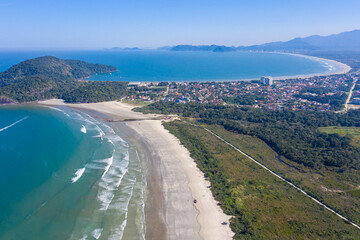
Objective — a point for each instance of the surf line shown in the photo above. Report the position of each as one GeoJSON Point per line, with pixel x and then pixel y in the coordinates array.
{"type": "Point", "coordinates": [278, 176]}
{"type": "Point", "coordinates": [13, 124]}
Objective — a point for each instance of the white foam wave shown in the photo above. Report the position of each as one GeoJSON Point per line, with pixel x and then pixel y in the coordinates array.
{"type": "Point", "coordinates": [112, 143]}
{"type": "Point", "coordinates": [83, 129]}
{"type": "Point", "coordinates": [108, 162]}
{"type": "Point", "coordinates": [101, 132]}
{"type": "Point", "coordinates": [13, 124]}
{"type": "Point", "coordinates": [78, 174]}
{"type": "Point", "coordinates": [93, 166]}
{"type": "Point", "coordinates": [57, 109]}
{"type": "Point", "coordinates": [111, 180]}
{"type": "Point", "coordinates": [97, 233]}
{"type": "Point", "coordinates": [119, 232]}
{"type": "Point", "coordinates": [84, 237]}
{"type": "Point", "coordinates": [123, 205]}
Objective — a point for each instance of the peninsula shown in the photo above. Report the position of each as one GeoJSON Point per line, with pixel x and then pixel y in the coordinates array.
{"type": "Point", "coordinates": [48, 77]}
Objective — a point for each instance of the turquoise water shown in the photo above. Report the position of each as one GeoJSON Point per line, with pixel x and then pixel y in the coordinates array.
{"type": "Point", "coordinates": [184, 66]}
{"type": "Point", "coordinates": [65, 175]}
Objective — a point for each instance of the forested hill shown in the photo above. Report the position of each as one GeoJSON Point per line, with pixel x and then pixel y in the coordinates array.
{"type": "Point", "coordinates": [54, 68]}
{"type": "Point", "coordinates": [50, 77]}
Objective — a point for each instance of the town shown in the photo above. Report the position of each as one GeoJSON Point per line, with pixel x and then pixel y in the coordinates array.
{"type": "Point", "coordinates": [320, 93]}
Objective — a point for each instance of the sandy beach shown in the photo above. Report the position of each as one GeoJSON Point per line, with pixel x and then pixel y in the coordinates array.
{"type": "Point", "coordinates": [174, 180]}
{"type": "Point", "coordinates": [338, 67]}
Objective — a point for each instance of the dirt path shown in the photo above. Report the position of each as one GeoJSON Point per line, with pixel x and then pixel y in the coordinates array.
{"type": "Point", "coordinates": [346, 106]}
{"type": "Point", "coordinates": [278, 176]}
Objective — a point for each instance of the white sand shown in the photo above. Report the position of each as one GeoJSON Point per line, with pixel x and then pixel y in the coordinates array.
{"type": "Point", "coordinates": [182, 181]}
{"type": "Point", "coordinates": [340, 68]}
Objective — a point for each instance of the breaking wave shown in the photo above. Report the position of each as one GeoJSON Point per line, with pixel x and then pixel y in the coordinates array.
{"type": "Point", "coordinates": [78, 174]}
{"type": "Point", "coordinates": [83, 129]}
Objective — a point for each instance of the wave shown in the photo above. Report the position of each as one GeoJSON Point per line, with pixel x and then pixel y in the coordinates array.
{"type": "Point", "coordinates": [112, 166]}
{"type": "Point", "coordinates": [111, 180]}
{"type": "Point", "coordinates": [97, 233]}
{"type": "Point", "coordinates": [107, 161]}
{"type": "Point", "coordinates": [78, 174]}
{"type": "Point", "coordinates": [101, 132]}
{"type": "Point", "coordinates": [83, 129]}
{"type": "Point", "coordinates": [119, 232]}
{"type": "Point", "coordinates": [13, 124]}
{"type": "Point", "coordinates": [84, 237]}
{"type": "Point", "coordinates": [59, 110]}
{"type": "Point", "coordinates": [122, 204]}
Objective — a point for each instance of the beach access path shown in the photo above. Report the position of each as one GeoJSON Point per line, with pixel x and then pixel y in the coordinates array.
{"type": "Point", "coordinates": [181, 182]}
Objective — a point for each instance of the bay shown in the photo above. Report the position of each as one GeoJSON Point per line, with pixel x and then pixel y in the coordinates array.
{"type": "Point", "coordinates": [152, 65]}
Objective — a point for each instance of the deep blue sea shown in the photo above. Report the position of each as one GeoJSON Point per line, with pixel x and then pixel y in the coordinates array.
{"type": "Point", "coordinates": [65, 175]}
{"type": "Point", "coordinates": [183, 66]}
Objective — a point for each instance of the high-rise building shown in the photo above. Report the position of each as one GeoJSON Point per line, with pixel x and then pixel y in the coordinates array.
{"type": "Point", "coordinates": [266, 80]}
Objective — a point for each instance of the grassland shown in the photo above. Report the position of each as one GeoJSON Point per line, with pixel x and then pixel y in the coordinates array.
{"type": "Point", "coordinates": [352, 132]}
{"type": "Point", "coordinates": [337, 188]}
{"type": "Point", "coordinates": [265, 207]}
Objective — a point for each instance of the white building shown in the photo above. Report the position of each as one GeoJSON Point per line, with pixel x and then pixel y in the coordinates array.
{"type": "Point", "coordinates": [266, 80]}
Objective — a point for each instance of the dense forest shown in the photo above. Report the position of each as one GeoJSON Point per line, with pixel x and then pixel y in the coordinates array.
{"type": "Point", "coordinates": [96, 92]}
{"type": "Point", "coordinates": [292, 134]}
{"type": "Point", "coordinates": [50, 77]}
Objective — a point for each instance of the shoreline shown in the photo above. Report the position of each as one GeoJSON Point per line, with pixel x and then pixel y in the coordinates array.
{"type": "Point", "coordinates": [340, 68]}
{"type": "Point", "coordinates": [174, 180]}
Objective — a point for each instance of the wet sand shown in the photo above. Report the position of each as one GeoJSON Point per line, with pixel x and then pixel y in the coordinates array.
{"type": "Point", "coordinates": [173, 179]}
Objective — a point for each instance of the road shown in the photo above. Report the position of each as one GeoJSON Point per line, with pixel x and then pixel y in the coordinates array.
{"type": "Point", "coordinates": [346, 106]}
{"type": "Point", "coordinates": [278, 176]}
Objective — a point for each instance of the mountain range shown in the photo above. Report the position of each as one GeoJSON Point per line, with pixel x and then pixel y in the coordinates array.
{"type": "Point", "coordinates": [342, 41]}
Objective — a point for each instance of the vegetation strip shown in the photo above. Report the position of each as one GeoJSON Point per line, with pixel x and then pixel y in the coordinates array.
{"type": "Point", "coordinates": [276, 175]}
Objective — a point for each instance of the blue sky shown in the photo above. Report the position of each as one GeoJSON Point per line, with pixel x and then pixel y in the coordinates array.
{"type": "Point", "coordinates": [152, 23]}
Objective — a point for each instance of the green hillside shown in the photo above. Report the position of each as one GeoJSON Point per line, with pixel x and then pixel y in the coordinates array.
{"type": "Point", "coordinates": [50, 77]}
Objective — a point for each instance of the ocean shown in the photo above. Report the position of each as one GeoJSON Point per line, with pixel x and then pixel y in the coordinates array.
{"type": "Point", "coordinates": [66, 175]}
{"type": "Point", "coordinates": [151, 65]}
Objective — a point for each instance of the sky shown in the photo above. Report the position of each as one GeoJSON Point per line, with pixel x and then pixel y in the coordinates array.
{"type": "Point", "coordinates": [95, 24]}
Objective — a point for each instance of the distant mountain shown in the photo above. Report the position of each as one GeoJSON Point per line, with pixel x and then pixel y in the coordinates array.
{"type": "Point", "coordinates": [212, 48]}
{"type": "Point", "coordinates": [292, 45]}
{"type": "Point", "coordinates": [342, 41]}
